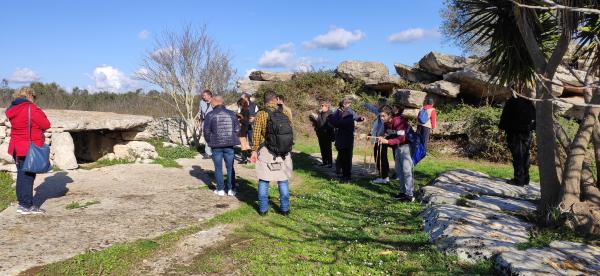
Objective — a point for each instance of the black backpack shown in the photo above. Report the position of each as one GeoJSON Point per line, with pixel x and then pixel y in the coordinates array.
{"type": "Point", "coordinates": [280, 136]}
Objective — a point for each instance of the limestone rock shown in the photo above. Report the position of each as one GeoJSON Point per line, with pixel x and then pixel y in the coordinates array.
{"type": "Point", "coordinates": [270, 76]}
{"type": "Point", "coordinates": [375, 75]}
{"type": "Point", "coordinates": [248, 86]}
{"type": "Point", "coordinates": [135, 149]}
{"type": "Point", "coordinates": [136, 136]}
{"type": "Point", "coordinates": [440, 64]}
{"type": "Point", "coordinates": [473, 234]}
{"type": "Point", "coordinates": [63, 150]}
{"type": "Point", "coordinates": [169, 129]}
{"type": "Point", "coordinates": [568, 107]}
{"type": "Point", "coordinates": [476, 84]}
{"type": "Point", "coordinates": [443, 88]}
{"type": "Point", "coordinates": [3, 131]}
{"type": "Point", "coordinates": [4, 156]}
{"type": "Point", "coordinates": [410, 98]}
{"type": "Point", "coordinates": [461, 182]}
{"type": "Point", "coordinates": [413, 74]}
{"type": "Point", "coordinates": [560, 258]}
{"type": "Point", "coordinates": [446, 129]}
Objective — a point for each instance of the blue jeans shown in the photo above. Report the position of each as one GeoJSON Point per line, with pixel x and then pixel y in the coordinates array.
{"type": "Point", "coordinates": [404, 169]}
{"type": "Point", "coordinates": [218, 154]}
{"type": "Point", "coordinates": [263, 195]}
{"type": "Point", "coordinates": [24, 184]}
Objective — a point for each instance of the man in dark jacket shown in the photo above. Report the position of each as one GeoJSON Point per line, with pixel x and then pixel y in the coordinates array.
{"type": "Point", "coordinates": [518, 120]}
{"type": "Point", "coordinates": [343, 120]}
{"type": "Point", "coordinates": [221, 129]}
{"type": "Point", "coordinates": [324, 133]}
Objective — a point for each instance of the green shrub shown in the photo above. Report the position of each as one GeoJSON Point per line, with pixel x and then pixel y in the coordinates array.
{"type": "Point", "coordinates": [7, 192]}
{"type": "Point", "coordinates": [173, 152]}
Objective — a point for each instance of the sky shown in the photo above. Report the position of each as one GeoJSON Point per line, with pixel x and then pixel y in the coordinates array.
{"type": "Point", "coordinates": [99, 45]}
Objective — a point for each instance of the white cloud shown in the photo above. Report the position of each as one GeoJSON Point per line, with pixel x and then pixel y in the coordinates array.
{"type": "Point", "coordinates": [281, 56]}
{"type": "Point", "coordinates": [335, 39]}
{"type": "Point", "coordinates": [108, 78]}
{"type": "Point", "coordinates": [306, 64]}
{"type": "Point", "coordinates": [24, 75]}
{"type": "Point", "coordinates": [411, 35]}
{"type": "Point", "coordinates": [144, 34]}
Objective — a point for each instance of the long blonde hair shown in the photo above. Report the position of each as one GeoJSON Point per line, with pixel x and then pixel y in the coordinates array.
{"type": "Point", "coordinates": [24, 92]}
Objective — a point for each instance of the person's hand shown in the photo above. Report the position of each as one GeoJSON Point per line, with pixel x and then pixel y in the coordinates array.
{"type": "Point", "coordinates": [254, 157]}
{"type": "Point", "coordinates": [383, 141]}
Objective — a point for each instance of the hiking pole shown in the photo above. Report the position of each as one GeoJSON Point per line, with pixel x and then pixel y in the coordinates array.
{"type": "Point", "coordinates": [366, 148]}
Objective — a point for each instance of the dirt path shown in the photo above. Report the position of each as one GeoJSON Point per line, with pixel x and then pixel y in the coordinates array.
{"type": "Point", "coordinates": [135, 201]}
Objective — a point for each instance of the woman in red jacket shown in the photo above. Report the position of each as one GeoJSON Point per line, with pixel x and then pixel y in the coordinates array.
{"type": "Point", "coordinates": [20, 138]}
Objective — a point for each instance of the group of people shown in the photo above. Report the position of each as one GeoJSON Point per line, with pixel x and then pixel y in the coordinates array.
{"type": "Point", "coordinates": [389, 130]}
{"type": "Point", "coordinates": [265, 137]}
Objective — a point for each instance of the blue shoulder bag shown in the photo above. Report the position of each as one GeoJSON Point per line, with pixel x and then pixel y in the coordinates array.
{"type": "Point", "coordinates": [37, 159]}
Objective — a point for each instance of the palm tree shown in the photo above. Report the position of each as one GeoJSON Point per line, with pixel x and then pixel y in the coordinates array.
{"type": "Point", "coordinates": [524, 47]}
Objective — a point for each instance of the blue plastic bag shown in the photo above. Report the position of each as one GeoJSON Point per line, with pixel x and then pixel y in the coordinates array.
{"type": "Point", "coordinates": [37, 159]}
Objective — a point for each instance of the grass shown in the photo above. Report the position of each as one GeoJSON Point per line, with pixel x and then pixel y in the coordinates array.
{"type": "Point", "coordinates": [350, 229]}
{"type": "Point", "coordinates": [77, 205]}
{"type": "Point", "coordinates": [7, 192]}
{"type": "Point", "coordinates": [167, 156]}
{"type": "Point", "coordinates": [543, 237]}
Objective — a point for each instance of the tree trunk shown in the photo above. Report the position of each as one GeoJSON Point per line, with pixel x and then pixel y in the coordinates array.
{"type": "Point", "coordinates": [596, 141]}
{"type": "Point", "coordinates": [571, 189]}
{"type": "Point", "coordinates": [546, 155]}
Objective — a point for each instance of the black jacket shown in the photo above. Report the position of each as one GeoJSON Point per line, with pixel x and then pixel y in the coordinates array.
{"type": "Point", "coordinates": [344, 124]}
{"type": "Point", "coordinates": [322, 125]}
{"type": "Point", "coordinates": [518, 115]}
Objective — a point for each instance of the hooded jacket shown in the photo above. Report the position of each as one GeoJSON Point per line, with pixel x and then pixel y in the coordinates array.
{"type": "Point", "coordinates": [19, 134]}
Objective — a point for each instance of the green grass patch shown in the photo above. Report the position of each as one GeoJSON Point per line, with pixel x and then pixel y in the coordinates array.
{"type": "Point", "coordinates": [7, 192]}
{"type": "Point", "coordinates": [167, 163]}
{"type": "Point", "coordinates": [77, 205]}
{"type": "Point", "coordinates": [167, 156]}
{"type": "Point", "coordinates": [543, 237]}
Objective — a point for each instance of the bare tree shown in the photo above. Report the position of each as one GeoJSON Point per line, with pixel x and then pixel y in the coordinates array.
{"type": "Point", "coordinates": [184, 63]}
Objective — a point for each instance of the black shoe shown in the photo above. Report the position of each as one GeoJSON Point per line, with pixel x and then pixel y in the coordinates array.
{"type": "Point", "coordinates": [399, 196]}
{"type": "Point", "coordinates": [324, 165]}
{"type": "Point", "coordinates": [262, 214]}
{"type": "Point", "coordinates": [405, 198]}
{"type": "Point", "coordinates": [285, 213]}
{"type": "Point", "coordinates": [329, 166]}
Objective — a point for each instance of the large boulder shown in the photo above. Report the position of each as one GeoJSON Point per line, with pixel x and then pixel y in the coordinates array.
{"type": "Point", "coordinates": [135, 149]}
{"type": "Point", "coordinates": [476, 84]}
{"type": "Point", "coordinates": [4, 156]}
{"type": "Point", "coordinates": [443, 88]}
{"type": "Point", "coordinates": [249, 86]}
{"type": "Point", "coordinates": [375, 75]}
{"type": "Point", "coordinates": [440, 64]}
{"type": "Point", "coordinates": [270, 76]}
{"type": "Point", "coordinates": [63, 150]}
{"type": "Point", "coordinates": [570, 107]}
{"type": "Point", "coordinates": [136, 135]}
{"type": "Point", "coordinates": [414, 74]}
{"type": "Point", "coordinates": [410, 98]}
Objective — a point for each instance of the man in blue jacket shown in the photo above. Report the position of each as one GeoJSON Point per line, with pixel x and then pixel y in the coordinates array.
{"type": "Point", "coordinates": [221, 129]}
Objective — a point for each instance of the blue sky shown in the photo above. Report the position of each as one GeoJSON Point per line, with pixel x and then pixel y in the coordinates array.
{"type": "Point", "coordinates": [98, 45]}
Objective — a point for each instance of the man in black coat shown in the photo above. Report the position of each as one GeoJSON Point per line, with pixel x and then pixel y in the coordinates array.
{"type": "Point", "coordinates": [518, 120]}
{"type": "Point", "coordinates": [343, 120]}
{"type": "Point", "coordinates": [325, 133]}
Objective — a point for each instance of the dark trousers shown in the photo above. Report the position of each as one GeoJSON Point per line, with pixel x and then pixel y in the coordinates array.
{"type": "Point", "coordinates": [424, 133]}
{"type": "Point", "coordinates": [381, 159]}
{"type": "Point", "coordinates": [24, 184]}
{"type": "Point", "coordinates": [519, 145]}
{"type": "Point", "coordinates": [344, 159]}
{"type": "Point", "coordinates": [325, 146]}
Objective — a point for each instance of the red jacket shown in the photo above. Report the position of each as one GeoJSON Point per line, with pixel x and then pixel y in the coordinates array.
{"type": "Point", "coordinates": [397, 123]}
{"type": "Point", "coordinates": [432, 117]}
{"type": "Point", "coordinates": [19, 134]}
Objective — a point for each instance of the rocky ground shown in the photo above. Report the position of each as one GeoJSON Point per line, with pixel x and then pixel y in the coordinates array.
{"type": "Point", "coordinates": [133, 201]}
{"type": "Point", "coordinates": [476, 217]}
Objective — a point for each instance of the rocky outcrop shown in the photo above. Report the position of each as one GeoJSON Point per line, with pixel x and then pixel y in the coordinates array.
{"type": "Point", "coordinates": [570, 107]}
{"type": "Point", "coordinates": [375, 75]}
{"type": "Point", "coordinates": [133, 150]}
{"type": "Point", "coordinates": [439, 64]}
{"type": "Point", "coordinates": [477, 85]}
{"type": "Point", "coordinates": [270, 76]}
{"type": "Point", "coordinates": [63, 151]}
{"type": "Point", "coordinates": [410, 98]}
{"type": "Point", "coordinates": [443, 88]}
{"type": "Point", "coordinates": [248, 86]}
{"type": "Point", "coordinates": [414, 74]}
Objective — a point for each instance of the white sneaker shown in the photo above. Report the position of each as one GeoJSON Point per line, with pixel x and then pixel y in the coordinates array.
{"type": "Point", "coordinates": [231, 193]}
{"type": "Point", "coordinates": [219, 192]}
